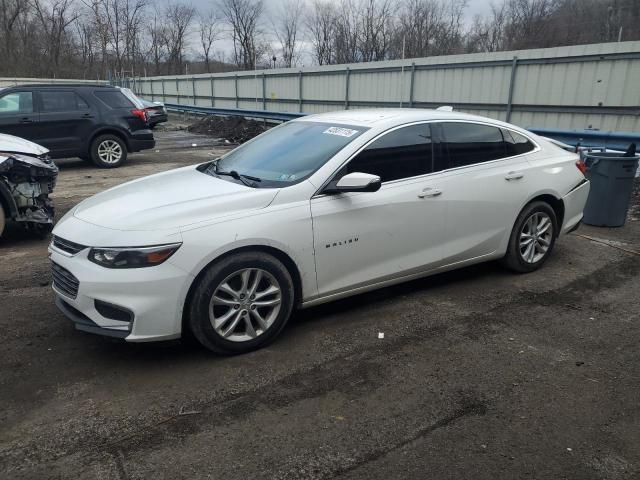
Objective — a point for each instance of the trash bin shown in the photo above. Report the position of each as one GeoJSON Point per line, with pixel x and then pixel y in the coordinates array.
{"type": "Point", "coordinates": [611, 176]}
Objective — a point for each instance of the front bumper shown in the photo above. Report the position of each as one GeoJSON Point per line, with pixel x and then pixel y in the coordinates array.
{"type": "Point", "coordinates": [84, 323]}
{"type": "Point", "coordinates": [154, 297]}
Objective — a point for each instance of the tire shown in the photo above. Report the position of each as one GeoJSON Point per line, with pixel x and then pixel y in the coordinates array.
{"type": "Point", "coordinates": [3, 220]}
{"type": "Point", "coordinates": [108, 151]}
{"type": "Point", "coordinates": [238, 328]}
{"type": "Point", "coordinates": [521, 257]}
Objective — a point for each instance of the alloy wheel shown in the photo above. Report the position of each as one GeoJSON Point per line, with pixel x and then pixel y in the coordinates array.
{"type": "Point", "coordinates": [245, 304]}
{"type": "Point", "coordinates": [110, 151]}
{"type": "Point", "coordinates": [536, 237]}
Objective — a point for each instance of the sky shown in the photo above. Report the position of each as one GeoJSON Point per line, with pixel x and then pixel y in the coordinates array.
{"type": "Point", "coordinates": [474, 7]}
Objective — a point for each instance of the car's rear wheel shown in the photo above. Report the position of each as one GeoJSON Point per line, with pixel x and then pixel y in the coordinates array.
{"type": "Point", "coordinates": [532, 238]}
{"type": "Point", "coordinates": [3, 219]}
{"type": "Point", "coordinates": [241, 303]}
{"type": "Point", "coordinates": [108, 151]}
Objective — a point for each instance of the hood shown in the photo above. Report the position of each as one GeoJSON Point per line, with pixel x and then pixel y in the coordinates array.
{"type": "Point", "coordinates": [169, 200]}
{"type": "Point", "coordinates": [11, 144]}
{"type": "Point", "coordinates": [44, 166]}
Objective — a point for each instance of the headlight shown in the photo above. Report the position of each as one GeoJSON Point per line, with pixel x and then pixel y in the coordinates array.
{"type": "Point", "coordinates": [132, 257]}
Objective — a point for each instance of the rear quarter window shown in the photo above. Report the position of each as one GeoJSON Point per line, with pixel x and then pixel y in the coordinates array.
{"type": "Point", "coordinates": [516, 144]}
{"type": "Point", "coordinates": [114, 99]}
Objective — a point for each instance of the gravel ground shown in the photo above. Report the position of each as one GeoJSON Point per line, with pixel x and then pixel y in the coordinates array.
{"type": "Point", "coordinates": [481, 373]}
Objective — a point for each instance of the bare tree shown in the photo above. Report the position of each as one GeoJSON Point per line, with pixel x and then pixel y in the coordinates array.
{"type": "Point", "coordinates": [132, 14]}
{"type": "Point", "coordinates": [10, 12]}
{"type": "Point", "coordinates": [321, 23]}
{"type": "Point", "coordinates": [54, 19]}
{"type": "Point", "coordinates": [286, 29]}
{"type": "Point", "coordinates": [487, 34]}
{"type": "Point", "coordinates": [86, 42]}
{"type": "Point", "coordinates": [376, 28]}
{"type": "Point", "coordinates": [528, 23]}
{"type": "Point", "coordinates": [98, 20]}
{"type": "Point", "coordinates": [429, 27]}
{"type": "Point", "coordinates": [90, 38]}
{"type": "Point", "coordinates": [209, 30]}
{"type": "Point", "coordinates": [178, 18]}
{"type": "Point", "coordinates": [157, 41]}
{"type": "Point", "coordinates": [347, 33]}
{"type": "Point", "coordinates": [243, 16]}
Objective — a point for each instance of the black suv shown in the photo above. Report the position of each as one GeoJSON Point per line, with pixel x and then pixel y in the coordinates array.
{"type": "Point", "coordinates": [93, 122]}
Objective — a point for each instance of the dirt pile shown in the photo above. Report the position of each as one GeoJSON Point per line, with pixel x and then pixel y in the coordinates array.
{"type": "Point", "coordinates": [234, 129]}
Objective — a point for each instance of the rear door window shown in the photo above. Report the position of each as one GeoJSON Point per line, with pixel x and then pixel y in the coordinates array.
{"type": "Point", "coordinates": [403, 153]}
{"type": "Point", "coordinates": [16, 102]}
{"type": "Point", "coordinates": [114, 99]}
{"type": "Point", "coordinates": [61, 101]}
{"type": "Point", "coordinates": [471, 143]}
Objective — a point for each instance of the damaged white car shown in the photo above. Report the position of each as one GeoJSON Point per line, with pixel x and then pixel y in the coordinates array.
{"type": "Point", "coordinates": [27, 177]}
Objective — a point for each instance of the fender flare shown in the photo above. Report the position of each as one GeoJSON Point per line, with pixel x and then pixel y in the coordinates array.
{"type": "Point", "coordinates": [108, 130]}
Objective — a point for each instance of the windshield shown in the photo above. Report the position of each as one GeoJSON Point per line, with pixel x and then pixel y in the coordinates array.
{"type": "Point", "coordinates": [288, 153]}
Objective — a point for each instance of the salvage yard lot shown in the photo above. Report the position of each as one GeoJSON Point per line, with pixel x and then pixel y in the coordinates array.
{"type": "Point", "coordinates": [481, 373]}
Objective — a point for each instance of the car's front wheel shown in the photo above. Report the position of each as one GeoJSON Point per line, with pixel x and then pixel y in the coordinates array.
{"type": "Point", "coordinates": [108, 151]}
{"type": "Point", "coordinates": [532, 238]}
{"type": "Point", "coordinates": [241, 303]}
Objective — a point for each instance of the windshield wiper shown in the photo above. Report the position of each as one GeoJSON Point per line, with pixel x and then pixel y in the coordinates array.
{"type": "Point", "coordinates": [237, 176]}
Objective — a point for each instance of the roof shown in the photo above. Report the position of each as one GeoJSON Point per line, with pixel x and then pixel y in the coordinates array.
{"type": "Point", "coordinates": [389, 117]}
{"type": "Point", "coordinates": [58, 85]}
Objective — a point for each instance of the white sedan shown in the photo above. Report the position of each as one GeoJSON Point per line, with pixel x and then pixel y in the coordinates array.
{"type": "Point", "coordinates": [313, 210]}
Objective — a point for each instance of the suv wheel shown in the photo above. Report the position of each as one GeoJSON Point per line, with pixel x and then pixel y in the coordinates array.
{"type": "Point", "coordinates": [241, 303]}
{"type": "Point", "coordinates": [532, 238]}
{"type": "Point", "coordinates": [108, 151]}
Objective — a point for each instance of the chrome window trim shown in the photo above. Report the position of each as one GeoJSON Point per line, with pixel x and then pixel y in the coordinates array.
{"type": "Point", "coordinates": [536, 149]}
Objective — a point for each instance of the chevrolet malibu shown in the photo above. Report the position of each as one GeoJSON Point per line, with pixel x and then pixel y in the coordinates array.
{"type": "Point", "coordinates": [313, 210]}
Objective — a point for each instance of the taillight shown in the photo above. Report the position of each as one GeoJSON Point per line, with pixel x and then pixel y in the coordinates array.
{"type": "Point", "coordinates": [141, 114]}
{"type": "Point", "coordinates": [581, 166]}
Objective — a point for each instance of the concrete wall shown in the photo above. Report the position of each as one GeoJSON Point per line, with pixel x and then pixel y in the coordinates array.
{"type": "Point", "coordinates": [577, 87]}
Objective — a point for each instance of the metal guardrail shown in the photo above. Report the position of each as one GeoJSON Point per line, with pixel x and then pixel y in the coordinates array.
{"type": "Point", "coordinates": [586, 138]}
{"type": "Point", "coordinates": [591, 138]}
{"type": "Point", "coordinates": [265, 114]}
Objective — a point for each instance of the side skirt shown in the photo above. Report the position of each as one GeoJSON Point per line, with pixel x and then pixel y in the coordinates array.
{"type": "Point", "coordinates": [395, 280]}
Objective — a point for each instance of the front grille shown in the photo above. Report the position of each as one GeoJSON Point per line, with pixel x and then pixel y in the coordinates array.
{"type": "Point", "coordinates": [67, 246]}
{"type": "Point", "coordinates": [64, 281]}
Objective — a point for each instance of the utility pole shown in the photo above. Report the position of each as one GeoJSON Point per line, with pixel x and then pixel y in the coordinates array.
{"type": "Point", "coordinates": [404, 37]}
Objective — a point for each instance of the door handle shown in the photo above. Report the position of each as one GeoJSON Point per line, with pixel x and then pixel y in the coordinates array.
{"type": "Point", "coordinates": [26, 120]}
{"type": "Point", "coordinates": [513, 176]}
{"type": "Point", "coordinates": [430, 192]}
{"type": "Point", "coordinates": [87, 115]}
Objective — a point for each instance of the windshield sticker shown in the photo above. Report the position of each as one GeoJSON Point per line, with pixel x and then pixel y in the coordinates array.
{"type": "Point", "coordinates": [286, 177]}
{"type": "Point", "coordinates": [343, 132]}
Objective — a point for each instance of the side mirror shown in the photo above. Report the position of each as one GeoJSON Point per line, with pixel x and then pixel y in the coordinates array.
{"type": "Point", "coordinates": [355, 182]}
